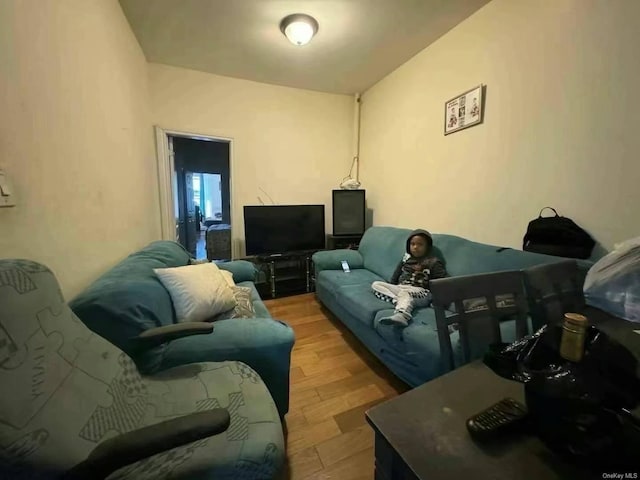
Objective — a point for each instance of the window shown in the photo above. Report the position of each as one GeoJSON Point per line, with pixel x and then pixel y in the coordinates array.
{"type": "Point", "coordinates": [196, 189]}
{"type": "Point", "coordinates": [212, 195]}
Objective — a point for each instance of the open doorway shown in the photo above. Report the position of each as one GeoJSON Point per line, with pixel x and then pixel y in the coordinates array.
{"type": "Point", "coordinates": [202, 209]}
{"type": "Point", "coordinates": [202, 196]}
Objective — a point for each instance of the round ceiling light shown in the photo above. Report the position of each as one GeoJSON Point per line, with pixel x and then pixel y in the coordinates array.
{"type": "Point", "coordinates": [299, 28]}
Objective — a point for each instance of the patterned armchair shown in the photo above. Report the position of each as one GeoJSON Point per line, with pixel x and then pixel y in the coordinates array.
{"type": "Point", "coordinates": [73, 403]}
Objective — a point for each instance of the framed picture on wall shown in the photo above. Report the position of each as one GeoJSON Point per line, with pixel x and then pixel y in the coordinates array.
{"type": "Point", "coordinates": [463, 111]}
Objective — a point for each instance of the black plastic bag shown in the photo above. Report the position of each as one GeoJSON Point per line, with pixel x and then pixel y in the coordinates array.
{"type": "Point", "coordinates": [583, 411]}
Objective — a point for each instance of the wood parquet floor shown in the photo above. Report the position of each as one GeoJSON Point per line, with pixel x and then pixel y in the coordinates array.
{"type": "Point", "coordinates": [334, 380]}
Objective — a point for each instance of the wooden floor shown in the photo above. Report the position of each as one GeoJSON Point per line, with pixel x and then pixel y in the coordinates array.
{"type": "Point", "coordinates": [334, 380]}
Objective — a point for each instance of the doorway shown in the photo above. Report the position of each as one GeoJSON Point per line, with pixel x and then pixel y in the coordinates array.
{"type": "Point", "coordinates": [202, 208]}
{"type": "Point", "coordinates": [200, 193]}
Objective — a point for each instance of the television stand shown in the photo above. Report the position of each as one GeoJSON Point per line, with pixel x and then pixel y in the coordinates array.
{"type": "Point", "coordinates": [288, 273]}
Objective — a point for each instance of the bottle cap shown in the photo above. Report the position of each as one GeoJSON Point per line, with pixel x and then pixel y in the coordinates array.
{"type": "Point", "coordinates": [575, 319]}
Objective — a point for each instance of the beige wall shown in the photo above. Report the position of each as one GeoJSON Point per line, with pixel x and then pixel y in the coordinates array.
{"type": "Point", "coordinates": [561, 128]}
{"type": "Point", "coordinates": [294, 144]}
{"type": "Point", "coordinates": [75, 137]}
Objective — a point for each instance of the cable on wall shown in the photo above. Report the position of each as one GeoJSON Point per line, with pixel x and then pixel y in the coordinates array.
{"type": "Point", "coordinates": [348, 182]}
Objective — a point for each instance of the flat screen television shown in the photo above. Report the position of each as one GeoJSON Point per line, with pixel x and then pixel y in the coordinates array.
{"type": "Point", "coordinates": [276, 229]}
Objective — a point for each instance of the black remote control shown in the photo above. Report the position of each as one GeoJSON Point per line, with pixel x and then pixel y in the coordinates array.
{"type": "Point", "coordinates": [506, 415]}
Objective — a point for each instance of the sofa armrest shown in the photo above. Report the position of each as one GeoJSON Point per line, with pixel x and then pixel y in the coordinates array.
{"type": "Point", "coordinates": [330, 259]}
{"type": "Point", "coordinates": [262, 343]}
{"type": "Point", "coordinates": [136, 445]}
{"type": "Point", "coordinates": [242, 270]}
{"type": "Point", "coordinates": [156, 336]}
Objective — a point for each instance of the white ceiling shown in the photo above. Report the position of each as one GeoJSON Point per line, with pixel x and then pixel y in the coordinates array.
{"type": "Point", "coordinates": [357, 44]}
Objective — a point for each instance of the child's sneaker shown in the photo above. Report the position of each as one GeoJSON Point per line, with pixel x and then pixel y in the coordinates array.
{"type": "Point", "coordinates": [397, 318]}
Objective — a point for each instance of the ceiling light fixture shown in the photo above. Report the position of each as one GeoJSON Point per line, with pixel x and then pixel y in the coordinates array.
{"type": "Point", "coordinates": [299, 28]}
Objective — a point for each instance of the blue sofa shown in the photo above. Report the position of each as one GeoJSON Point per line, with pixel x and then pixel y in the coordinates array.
{"type": "Point", "coordinates": [412, 353]}
{"type": "Point", "coordinates": [129, 299]}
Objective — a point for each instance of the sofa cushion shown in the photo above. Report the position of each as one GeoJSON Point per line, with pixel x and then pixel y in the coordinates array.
{"type": "Point", "coordinates": [382, 249]}
{"type": "Point", "coordinates": [334, 280]}
{"type": "Point", "coordinates": [396, 336]}
{"type": "Point", "coordinates": [419, 341]}
{"type": "Point", "coordinates": [465, 257]}
{"type": "Point", "coordinates": [129, 298]}
{"type": "Point", "coordinates": [360, 300]}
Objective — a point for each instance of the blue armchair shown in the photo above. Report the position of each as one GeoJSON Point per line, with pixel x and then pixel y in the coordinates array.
{"type": "Point", "coordinates": [129, 300]}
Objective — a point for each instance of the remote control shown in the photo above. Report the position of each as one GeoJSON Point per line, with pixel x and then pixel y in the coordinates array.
{"type": "Point", "coordinates": [506, 415]}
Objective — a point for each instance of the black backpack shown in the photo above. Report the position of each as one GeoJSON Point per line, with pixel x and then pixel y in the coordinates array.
{"type": "Point", "coordinates": [559, 236]}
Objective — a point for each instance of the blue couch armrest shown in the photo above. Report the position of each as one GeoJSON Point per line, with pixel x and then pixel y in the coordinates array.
{"type": "Point", "coordinates": [242, 270]}
{"type": "Point", "coordinates": [153, 337]}
{"type": "Point", "coordinates": [262, 343]}
{"type": "Point", "coordinates": [330, 259]}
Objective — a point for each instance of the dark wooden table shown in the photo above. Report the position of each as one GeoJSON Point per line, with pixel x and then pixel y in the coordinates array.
{"type": "Point", "coordinates": [422, 434]}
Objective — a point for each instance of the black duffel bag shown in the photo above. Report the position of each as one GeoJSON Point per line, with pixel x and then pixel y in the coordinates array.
{"type": "Point", "coordinates": [559, 236]}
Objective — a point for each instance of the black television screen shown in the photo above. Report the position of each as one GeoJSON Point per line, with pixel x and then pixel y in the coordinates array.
{"type": "Point", "coordinates": [272, 229]}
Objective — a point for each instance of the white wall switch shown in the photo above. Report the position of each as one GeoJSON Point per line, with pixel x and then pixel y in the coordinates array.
{"type": "Point", "coordinates": [7, 197]}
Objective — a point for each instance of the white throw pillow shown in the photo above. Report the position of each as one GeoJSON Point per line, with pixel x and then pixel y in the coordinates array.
{"type": "Point", "coordinates": [228, 276]}
{"type": "Point", "coordinates": [198, 292]}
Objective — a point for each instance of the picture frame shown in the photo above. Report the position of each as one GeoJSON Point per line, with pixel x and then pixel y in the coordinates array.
{"type": "Point", "coordinates": [464, 110]}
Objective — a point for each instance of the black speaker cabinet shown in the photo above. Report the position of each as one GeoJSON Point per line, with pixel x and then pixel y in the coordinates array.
{"type": "Point", "coordinates": [348, 212]}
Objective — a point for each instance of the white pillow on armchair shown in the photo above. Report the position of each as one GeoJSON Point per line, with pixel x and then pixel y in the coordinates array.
{"type": "Point", "coordinates": [198, 292]}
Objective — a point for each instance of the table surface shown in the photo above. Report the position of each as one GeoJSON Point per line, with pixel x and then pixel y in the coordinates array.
{"type": "Point", "coordinates": [426, 427]}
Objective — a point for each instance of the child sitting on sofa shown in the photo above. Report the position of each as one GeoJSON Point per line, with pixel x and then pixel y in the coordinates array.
{"type": "Point", "coordinates": [409, 287]}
